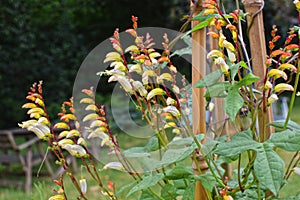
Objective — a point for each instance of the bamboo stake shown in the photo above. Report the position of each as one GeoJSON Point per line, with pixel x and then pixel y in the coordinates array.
{"type": "Point", "coordinates": [198, 101]}
{"type": "Point", "coordinates": [258, 54]}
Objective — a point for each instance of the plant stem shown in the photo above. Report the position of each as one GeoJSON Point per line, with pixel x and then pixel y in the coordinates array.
{"type": "Point", "coordinates": [296, 82]}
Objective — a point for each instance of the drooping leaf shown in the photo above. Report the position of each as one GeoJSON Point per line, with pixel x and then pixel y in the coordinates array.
{"type": "Point", "coordinates": [176, 155]}
{"type": "Point", "coordinates": [179, 171]}
{"type": "Point", "coordinates": [209, 79]}
{"type": "Point", "coordinates": [247, 80]}
{"type": "Point", "coordinates": [233, 103]}
{"type": "Point", "coordinates": [280, 124]}
{"type": "Point", "coordinates": [217, 90]}
{"type": "Point", "coordinates": [269, 168]}
{"type": "Point", "coordinates": [147, 181]}
{"type": "Point", "coordinates": [288, 140]}
{"type": "Point", "coordinates": [238, 144]}
{"type": "Point", "coordinates": [207, 180]}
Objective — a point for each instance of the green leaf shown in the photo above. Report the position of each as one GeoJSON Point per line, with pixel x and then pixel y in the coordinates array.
{"type": "Point", "coordinates": [235, 68]}
{"type": "Point", "coordinates": [125, 187]}
{"type": "Point", "coordinates": [152, 144]}
{"type": "Point", "coordinates": [200, 17]}
{"type": "Point", "coordinates": [247, 80]}
{"type": "Point", "coordinates": [288, 140]}
{"type": "Point", "coordinates": [233, 103]}
{"type": "Point", "coordinates": [209, 79]}
{"type": "Point", "coordinates": [147, 181]}
{"type": "Point", "coordinates": [136, 152]}
{"type": "Point", "coordinates": [179, 171]}
{"type": "Point", "coordinates": [269, 168]}
{"type": "Point", "coordinates": [280, 124]}
{"type": "Point", "coordinates": [188, 141]}
{"type": "Point", "coordinates": [208, 146]}
{"type": "Point", "coordinates": [207, 180]}
{"type": "Point", "coordinates": [146, 195]}
{"type": "Point", "coordinates": [168, 192]}
{"type": "Point", "coordinates": [217, 90]}
{"type": "Point", "coordinates": [238, 144]}
{"type": "Point", "coordinates": [189, 193]}
{"type": "Point", "coordinates": [176, 155]}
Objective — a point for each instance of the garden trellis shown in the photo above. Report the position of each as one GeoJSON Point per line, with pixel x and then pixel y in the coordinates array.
{"type": "Point", "coordinates": [258, 54]}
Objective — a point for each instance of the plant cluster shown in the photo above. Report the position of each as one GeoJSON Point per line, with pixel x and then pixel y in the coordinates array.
{"type": "Point", "coordinates": [150, 78]}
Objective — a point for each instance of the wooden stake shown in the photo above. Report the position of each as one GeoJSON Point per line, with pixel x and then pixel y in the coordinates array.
{"type": "Point", "coordinates": [198, 101]}
{"type": "Point", "coordinates": [258, 54]}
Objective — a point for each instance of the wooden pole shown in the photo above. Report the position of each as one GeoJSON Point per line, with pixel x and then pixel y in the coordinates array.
{"type": "Point", "coordinates": [258, 55]}
{"type": "Point", "coordinates": [198, 101]}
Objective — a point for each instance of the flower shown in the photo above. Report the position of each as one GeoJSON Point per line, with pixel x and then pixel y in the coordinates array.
{"type": "Point", "coordinates": [83, 185]}
{"type": "Point", "coordinates": [224, 67]}
{"type": "Point", "coordinates": [57, 197]}
{"type": "Point", "coordinates": [297, 4]}
{"type": "Point", "coordinates": [75, 150]}
{"type": "Point", "coordinates": [114, 165]}
{"type": "Point", "coordinates": [282, 87]}
{"type": "Point", "coordinates": [272, 99]}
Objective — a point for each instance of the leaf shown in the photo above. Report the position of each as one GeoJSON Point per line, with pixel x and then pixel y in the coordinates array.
{"type": "Point", "coordinates": [204, 23]}
{"type": "Point", "coordinates": [233, 103]}
{"type": "Point", "coordinates": [208, 146]}
{"type": "Point", "coordinates": [189, 192]}
{"type": "Point", "coordinates": [179, 171]}
{"type": "Point", "coordinates": [188, 141]}
{"type": "Point", "coordinates": [146, 195]}
{"type": "Point", "coordinates": [125, 187]}
{"type": "Point", "coordinates": [238, 144]}
{"type": "Point", "coordinates": [247, 80]}
{"type": "Point", "coordinates": [176, 155]}
{"type": "Point", "coordinates": [217, 90]}
{"type": "Point", "coordinates": [207, 180]}
{"type": "Point", "coordinates": [147, 181]}
{"type": "Point", "coordinates": [234, 68]}
{"type": "Point", "coordinates": [152, 144]}
{"type": "Point", "coordinates": [269, 168]}
{"type": "Point", "coordinates": [280, 124]}
{"type": "Point", "coordinates": [288, 140]}
{"type": "Point", "coordinates": [168, 192]}
{"type": "Point", "coordinates": [209, 79]}
{"type": "Point", "coordinates": [136, 152]}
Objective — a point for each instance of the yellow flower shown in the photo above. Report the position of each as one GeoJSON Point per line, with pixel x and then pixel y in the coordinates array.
{"type": "Point", "coordinates": [276, 73]}
{"type": "Point", "coordinates": [57, 197]}
{"type": "Point", "coordinates": [155, 92]}
{"type": "Point", "coordinates": [297, 4]}
{"type": "Point", "coordinates": [224, 67]}
{"type": "Point", "coordinates": [283, 87]}
{"type": "Point", "coordinates": [75, 150]}
{"type": "Point", "coordinates": [272, 99]}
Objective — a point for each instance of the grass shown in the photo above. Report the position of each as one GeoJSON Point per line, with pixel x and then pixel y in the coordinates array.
{"type": "Point", "coordinates": [43, 186]}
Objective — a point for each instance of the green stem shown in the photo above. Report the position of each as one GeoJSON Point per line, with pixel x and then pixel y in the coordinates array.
{"type": "Point", "coordinates": [293, 95]}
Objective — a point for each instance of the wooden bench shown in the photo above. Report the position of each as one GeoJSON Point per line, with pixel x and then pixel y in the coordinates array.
{"type": "Point", "coordinates": [22, 147]}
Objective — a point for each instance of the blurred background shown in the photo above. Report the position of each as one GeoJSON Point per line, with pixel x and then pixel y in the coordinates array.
{"type": "Point", "coordinates": [47, 40]}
